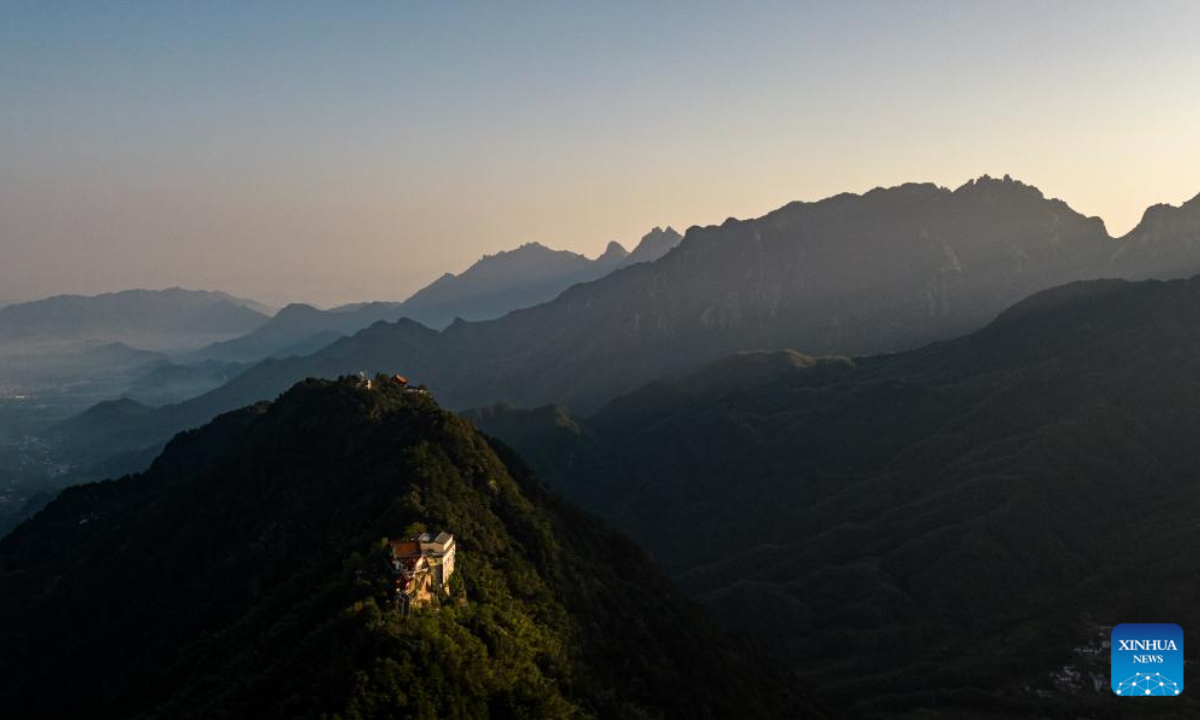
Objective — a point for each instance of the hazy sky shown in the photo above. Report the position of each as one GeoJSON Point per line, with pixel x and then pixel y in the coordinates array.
{"type": "Point", "coordinates": [344, 151]}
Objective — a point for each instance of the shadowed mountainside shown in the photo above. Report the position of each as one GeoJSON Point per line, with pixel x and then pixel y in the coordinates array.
{"type": "Point", "coordinates": [950, 527]}
{"type": "Point", "coordinates": [243, 576]}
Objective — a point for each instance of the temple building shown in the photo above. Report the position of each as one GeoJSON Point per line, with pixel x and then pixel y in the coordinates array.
{"type": "Point", "coordinates": [422, 567]}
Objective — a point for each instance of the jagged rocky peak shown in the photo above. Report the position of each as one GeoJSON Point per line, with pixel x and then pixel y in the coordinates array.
{"type": "Point", "coordinates": [990, 188]}
{"type": "Point", "coordinates": [659, 238]}
{"type": "Point", "coordinates": [529, 248]}
{"type": "Point", "coordinates": [904, 190]}
{"type": "Point", "coordinates": [652, 246]}
{"type": "Point", "coordinates": [659, 234]}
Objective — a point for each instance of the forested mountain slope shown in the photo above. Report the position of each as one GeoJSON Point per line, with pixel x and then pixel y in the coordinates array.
{"type": "Point", "coordinates": [944, 527]}
{"type": "Point", "coordinates": [243, 576]}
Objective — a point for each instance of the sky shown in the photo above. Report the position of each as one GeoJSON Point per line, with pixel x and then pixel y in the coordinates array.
{"type": "Point", "coordinates": [337, 152]}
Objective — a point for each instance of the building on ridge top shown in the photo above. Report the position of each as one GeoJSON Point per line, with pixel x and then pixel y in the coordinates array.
{"type": "Point", "coordinates": [422, 567]}
{"type": "Point", "coordinates": [363, 380]}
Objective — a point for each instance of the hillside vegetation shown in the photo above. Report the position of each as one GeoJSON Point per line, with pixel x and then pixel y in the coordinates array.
{"type": "Point", "coordinates": [243, 576]}
{"type": "Point", "coordinates": [942, 528]}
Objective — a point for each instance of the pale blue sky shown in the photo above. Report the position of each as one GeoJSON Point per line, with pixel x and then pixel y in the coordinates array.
{"type": "Point", "coordinates": [346, 151]}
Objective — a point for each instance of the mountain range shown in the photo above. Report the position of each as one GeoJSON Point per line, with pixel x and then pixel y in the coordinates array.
{"type": "Point", "coordinates": [170, 319]}
{"type": "Point", "coordinates": [491, 287]}
{"type": "Point", "coordinates": [245, 575]}
{"type": "Point", "coordinates": [945, 531]}
{"type": "Point", "coordinates": [853, 274]}
{"type": "Point", "coordinates": [299, 329]}
{"type": "Point", "coordinates": [530, 275]}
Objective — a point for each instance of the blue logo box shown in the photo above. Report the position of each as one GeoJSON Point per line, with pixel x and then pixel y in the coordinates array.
{"type": "Point", "coordinates": [1147, 660]}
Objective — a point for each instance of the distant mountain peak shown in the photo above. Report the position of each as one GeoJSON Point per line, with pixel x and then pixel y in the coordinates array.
{"type": "Point", "coordinates": [653, 245]}
{"type": "Point", "coordinates": [508, 280]}
{"type": "Point", "coordinates": [531, 254]}
{"type": "Point", "coordinates": [152, 319]}
{"type": "Point", "coordinates": [528, 247]}
{"type": "Point", "coordinates": [1157, 211]}
{"type": "Point", "coordinates": [614, 249]}
{"type": "Point", "coordinates": [659, 232]}
{"type": "Point", "coordinates": [297, 309]}
{"type": "Point", "coordinates": [1006, 186]}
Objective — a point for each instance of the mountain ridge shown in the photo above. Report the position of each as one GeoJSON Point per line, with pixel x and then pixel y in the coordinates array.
{"type": "Point", "coordinates": [486, 290]}
{"type": "Point", "coordinates": [148, 319]}
{"type": "Point", "coordinates": [984, 492]}
{"type": "Point", "coordinates": [495, 284]}
{"type": "Point", "coordinates": [891, 269]}
{"type": "Point", "coordinates": [242, 576]}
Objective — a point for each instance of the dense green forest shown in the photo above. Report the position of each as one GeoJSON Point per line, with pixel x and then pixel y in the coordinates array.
{"type": "Point", "coordinates": [943, 531]}
{"type": "Point", "coordinates": [243, 575]}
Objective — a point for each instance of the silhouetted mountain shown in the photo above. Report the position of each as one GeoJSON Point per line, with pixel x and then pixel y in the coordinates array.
{"type": "Point", "coordinates": [114, 354]}
{"type": "Point", "coordinates": [170, 382]}
{"type": "Point", "coordinates": [244, 575]}
{"type": "Point", "coordinates": [1165, 244]}
{"type": "Point", "coordinates": [652, 246]}
{"type": "Point", "coordinates": [506, 281]}
{"type": "Point", "coordinates": [152, 319]}
{"type": "Point", "coordinates": [298, 328]}
{"type": "Point", "coordinates": [493, 286]}
{"type": "Point", "coordinates": [94, 433]}
{"type": "Point", "coordinates": [948, 527]}
{"type": "Point", "coordinates": [880, 272]}
{"type": "Point", "coordinates": [851, 274]}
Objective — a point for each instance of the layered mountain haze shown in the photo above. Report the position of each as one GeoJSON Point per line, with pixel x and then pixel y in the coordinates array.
{"type": "Point", "coordinates": [853, 274]}
{"type": "Point", "coordinates": [168, 382]}
{"type": "Point", "coordinates": [148, 319]}
{"type": "Point", "coordinates": [952, 527]}
{"type": "Point", "coordinates": [868, 437]}
{"type": "Point", "coordinates": [530, 275]}
{"type": "Point", "coordinates": [49, 385]}
{"type": "Point", "coordinates": [300, 329]}
{"type": "Point", "coordinates": [493, 286]}
{"type": "Point", "coordinates": [244, 575]}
